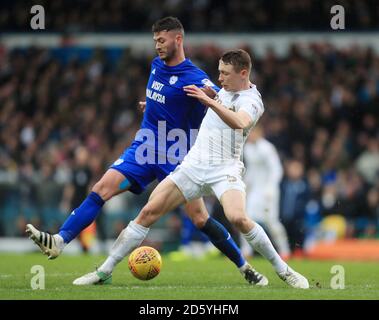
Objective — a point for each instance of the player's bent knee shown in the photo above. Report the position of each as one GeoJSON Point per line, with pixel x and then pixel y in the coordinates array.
{"type": "Point", "coordinates": [103, 190]}
{"type": "Point", "coordinates": [200, 220]}
{"type": "Point", "coordinates": [240, 221]}
{"type": "Point", "coordinates": [148, 215]}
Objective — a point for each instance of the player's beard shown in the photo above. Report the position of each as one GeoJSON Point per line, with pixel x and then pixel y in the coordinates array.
{"type": "Point", "coordinates": [170, 54]}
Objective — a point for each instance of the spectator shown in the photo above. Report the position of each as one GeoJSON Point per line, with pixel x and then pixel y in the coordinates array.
{"type": "Point", "coordinates": [367, 163]}
{"type": "Point", "coordinates": [77, 189]}
{"type": "Point", "coordinates": [294, 198]}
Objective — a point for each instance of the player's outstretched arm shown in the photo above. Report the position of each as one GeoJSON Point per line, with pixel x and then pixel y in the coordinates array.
{"type": "Point", "coordinates": [235, 120]}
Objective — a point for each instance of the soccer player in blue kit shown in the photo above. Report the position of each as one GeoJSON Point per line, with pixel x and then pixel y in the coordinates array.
{"type": "Point", "coordinates": [167, 106]}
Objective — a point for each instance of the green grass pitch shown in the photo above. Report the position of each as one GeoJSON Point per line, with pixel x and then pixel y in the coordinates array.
{"type": "Point", "coordinates": [214, 278]}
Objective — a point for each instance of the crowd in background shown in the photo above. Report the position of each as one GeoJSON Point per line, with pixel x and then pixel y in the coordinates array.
{"type": "Point", "coordinates": [209, 15]}
{"type": "Point", "coordinates": [321, 113]}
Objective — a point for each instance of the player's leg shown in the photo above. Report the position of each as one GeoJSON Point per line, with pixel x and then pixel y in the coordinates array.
{"type": "Point", "coordinates": [188, 182]}
{"type": "Point", "coordinates": [222, 240]}
{"type": "Point", "coordinates": [218, 214]}
{"type": "Point", "coordinates": [233, 202]}
{"type": "Point", "coordinates": [263, 210]}
{"type": "Point", "coordinates": [111, 184]}
{"type": "Point", "coordinates": [215, 231]}
{"type": "Point", "coordinates": [124, 174]}
{"type": "Point", "coordinates": [255, 208]}
{"type": "Point", "coordinates": [165, 197]}
{"type": "Point", "coordinates": [193, 243]}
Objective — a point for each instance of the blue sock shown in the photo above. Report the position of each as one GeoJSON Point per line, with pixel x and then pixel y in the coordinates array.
{"type": "Point", "coordinates": [222, 240]}
{"type": "Point", "coordinates": [190, 233]}
{"type": "Point", "coordinates": [81, 217]}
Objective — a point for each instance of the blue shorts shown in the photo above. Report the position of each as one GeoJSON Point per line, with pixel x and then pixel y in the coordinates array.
{"type": "Point", "coordinates": [140, 175]}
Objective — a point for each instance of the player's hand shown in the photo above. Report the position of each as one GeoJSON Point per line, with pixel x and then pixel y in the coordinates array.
{"type": "Point", "coordinates": [209, 91]}
{"type": "Point", "coordinates": [142, 105]}
{"type": "Point", "coordinates": [195, 92]}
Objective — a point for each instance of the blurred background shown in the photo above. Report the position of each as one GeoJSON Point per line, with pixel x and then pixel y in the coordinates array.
{"type": "Point", "coordinates": [69, 107]}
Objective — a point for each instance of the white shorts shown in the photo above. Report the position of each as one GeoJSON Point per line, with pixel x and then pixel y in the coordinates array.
{"type": "Point", "coordinates": [195, 181]}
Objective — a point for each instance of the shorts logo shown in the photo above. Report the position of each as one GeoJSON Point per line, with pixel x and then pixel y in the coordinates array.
{"type": "Point", "coordinates": [231, 178]}
{"type": "Point", "coordinates": [118, 162]}
{"type": "Point", "coordinates": [173, 79]}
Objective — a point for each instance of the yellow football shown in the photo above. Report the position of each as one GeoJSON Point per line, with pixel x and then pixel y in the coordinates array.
{"type": "Point", "coordinates": [145, 263]}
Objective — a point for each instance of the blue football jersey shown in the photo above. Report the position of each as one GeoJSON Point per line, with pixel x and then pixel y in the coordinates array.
{"type": "Point", "coordinates": [167, 101]}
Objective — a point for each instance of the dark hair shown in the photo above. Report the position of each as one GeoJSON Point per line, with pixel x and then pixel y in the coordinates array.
{"type": "Point", "coordinates": [239, 59]}
{"type": "Point", "coordinates": [168, 24]}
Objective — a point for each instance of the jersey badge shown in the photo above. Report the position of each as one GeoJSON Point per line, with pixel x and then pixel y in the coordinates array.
{"type": "Point", "coordinates": [173, 79]}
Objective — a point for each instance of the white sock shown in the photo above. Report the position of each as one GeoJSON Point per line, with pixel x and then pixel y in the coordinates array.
{"type": "Point", "coordinates": [244, 267]}
{"type": "Point", "coordinates": [59, 241]}
{"type": "Point", "coordinates": [129, 239]}
{"type": "Point", "coordinates": [260, 242]}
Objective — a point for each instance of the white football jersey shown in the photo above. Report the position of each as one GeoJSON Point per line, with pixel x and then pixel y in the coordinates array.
{"type": "Point", "coordinates": [263, 166]}
{"type": "Point", "coordinates": [216, 141]}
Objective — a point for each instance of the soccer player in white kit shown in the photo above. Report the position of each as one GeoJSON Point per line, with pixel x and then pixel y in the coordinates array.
{"type": "Point", "coordinates": [264, 172]}
{"type": "Point", "coordinates": [213, 165]}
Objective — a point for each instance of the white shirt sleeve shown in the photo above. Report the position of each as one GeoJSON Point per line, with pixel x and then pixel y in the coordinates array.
{"type": "Point", "coordinates": [252, 106]}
